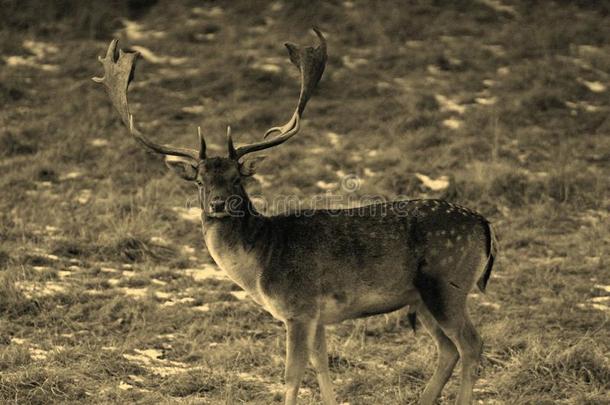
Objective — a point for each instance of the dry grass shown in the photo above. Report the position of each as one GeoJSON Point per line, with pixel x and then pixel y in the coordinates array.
{"type": "Point", "coordinates": [97, 301]}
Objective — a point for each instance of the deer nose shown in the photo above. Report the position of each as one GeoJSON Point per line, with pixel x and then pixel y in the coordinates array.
{"type": "Point", "coordinates": [217, 206]}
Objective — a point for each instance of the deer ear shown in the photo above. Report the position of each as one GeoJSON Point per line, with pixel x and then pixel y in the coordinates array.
{"type": "Point", "coordinates": [249, 166]}
{"type": "Point", "coordinates": [182, 167]}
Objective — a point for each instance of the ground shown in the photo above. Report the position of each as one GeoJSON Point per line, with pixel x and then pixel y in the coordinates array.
{"type": "Point", "coordinates": [107, 293]}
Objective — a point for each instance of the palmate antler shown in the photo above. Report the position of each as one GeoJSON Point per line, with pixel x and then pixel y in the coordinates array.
{"type": "Point", "coordinates": [119, 70]}
{"type": "Point", "coordinates": [311, 63]}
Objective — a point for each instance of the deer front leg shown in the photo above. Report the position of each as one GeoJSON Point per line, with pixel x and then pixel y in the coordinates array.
{"type": "Point", "coordinates": [299, 341]}
{"type": "Point", "coordinates": [319, 359]}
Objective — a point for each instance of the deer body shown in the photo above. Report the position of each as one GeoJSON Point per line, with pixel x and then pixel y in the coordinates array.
{"type": "Point", "coordinates": [342, 265]}
{"type": "Point", "coordinates": [319, 267]}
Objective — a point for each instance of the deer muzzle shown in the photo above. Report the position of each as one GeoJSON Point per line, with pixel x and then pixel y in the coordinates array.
{"type": "Point", "coordinates": [217, 208]}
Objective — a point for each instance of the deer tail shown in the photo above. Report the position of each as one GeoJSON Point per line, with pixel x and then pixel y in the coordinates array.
{"type": "Point", "coordinates": [492, 252]}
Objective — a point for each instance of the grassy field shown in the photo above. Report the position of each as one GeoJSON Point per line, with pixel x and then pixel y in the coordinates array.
{"type": "Point", "coordinates": [107, 293]}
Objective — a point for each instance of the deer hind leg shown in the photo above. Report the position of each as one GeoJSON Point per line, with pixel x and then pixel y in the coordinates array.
{"type": "Point", "coordinates": [448, 308]}
{"type": "Point", "coordinates": [458, 327]}
{"type": "Point", "coordinates": [447, 357]}
{"type": "Point", "coordinates": [300, 334]}
{"type": "Point", "coordinates": [470, 347]}
{"type": "Point", "coordinates": [319, 359]}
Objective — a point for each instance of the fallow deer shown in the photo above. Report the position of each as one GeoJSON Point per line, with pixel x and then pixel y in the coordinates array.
{"type": "Point", "coordinates": [331, 265]}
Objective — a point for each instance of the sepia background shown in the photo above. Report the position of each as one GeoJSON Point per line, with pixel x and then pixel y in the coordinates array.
{"type": "Point", "coordinates": [107, 293]}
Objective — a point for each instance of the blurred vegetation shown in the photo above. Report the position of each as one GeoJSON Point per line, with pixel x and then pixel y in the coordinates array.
{"type": "Point", "coordinates": [70, 18]}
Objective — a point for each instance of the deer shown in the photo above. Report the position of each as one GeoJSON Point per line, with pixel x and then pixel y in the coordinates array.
{"type": "Point", "coordinates": [331, 265]}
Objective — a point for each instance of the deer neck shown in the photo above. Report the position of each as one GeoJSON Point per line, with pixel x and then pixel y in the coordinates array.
{"type": "Point", "coordinates": [237, 243]}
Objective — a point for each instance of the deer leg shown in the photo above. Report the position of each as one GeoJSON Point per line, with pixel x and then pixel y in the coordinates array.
{"type": "Point", "coordinates": [447, 357]}
{"type": "Point", "coordinates": [462, 333]}
{"type": "Point", "coordinates": [470, 347]}
{"type": "Point", "coordinates": [319, 359]}
{"type": "Point", "coordinates": [299, 340]}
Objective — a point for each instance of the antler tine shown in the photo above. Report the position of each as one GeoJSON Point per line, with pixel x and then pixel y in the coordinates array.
{"type": "Point", "coordinates": [119, 68]}
{"type": "Point", "coordinates": [230, 146]}
{"type": "Point", "coordinates": [311, 63]}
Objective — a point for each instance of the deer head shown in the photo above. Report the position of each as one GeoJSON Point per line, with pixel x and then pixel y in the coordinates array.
{"type": "Point", "coordinates": [221, 193]}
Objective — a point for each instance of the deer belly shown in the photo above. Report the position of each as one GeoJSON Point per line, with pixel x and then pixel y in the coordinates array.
{"type": "Point", "coordinates": [339, 307]}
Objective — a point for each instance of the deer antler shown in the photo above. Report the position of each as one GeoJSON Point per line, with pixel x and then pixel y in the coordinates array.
{"type": "Point", "coordinates": [311, 63]}
{"type": "Point", "coordinates": [119, 70]}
